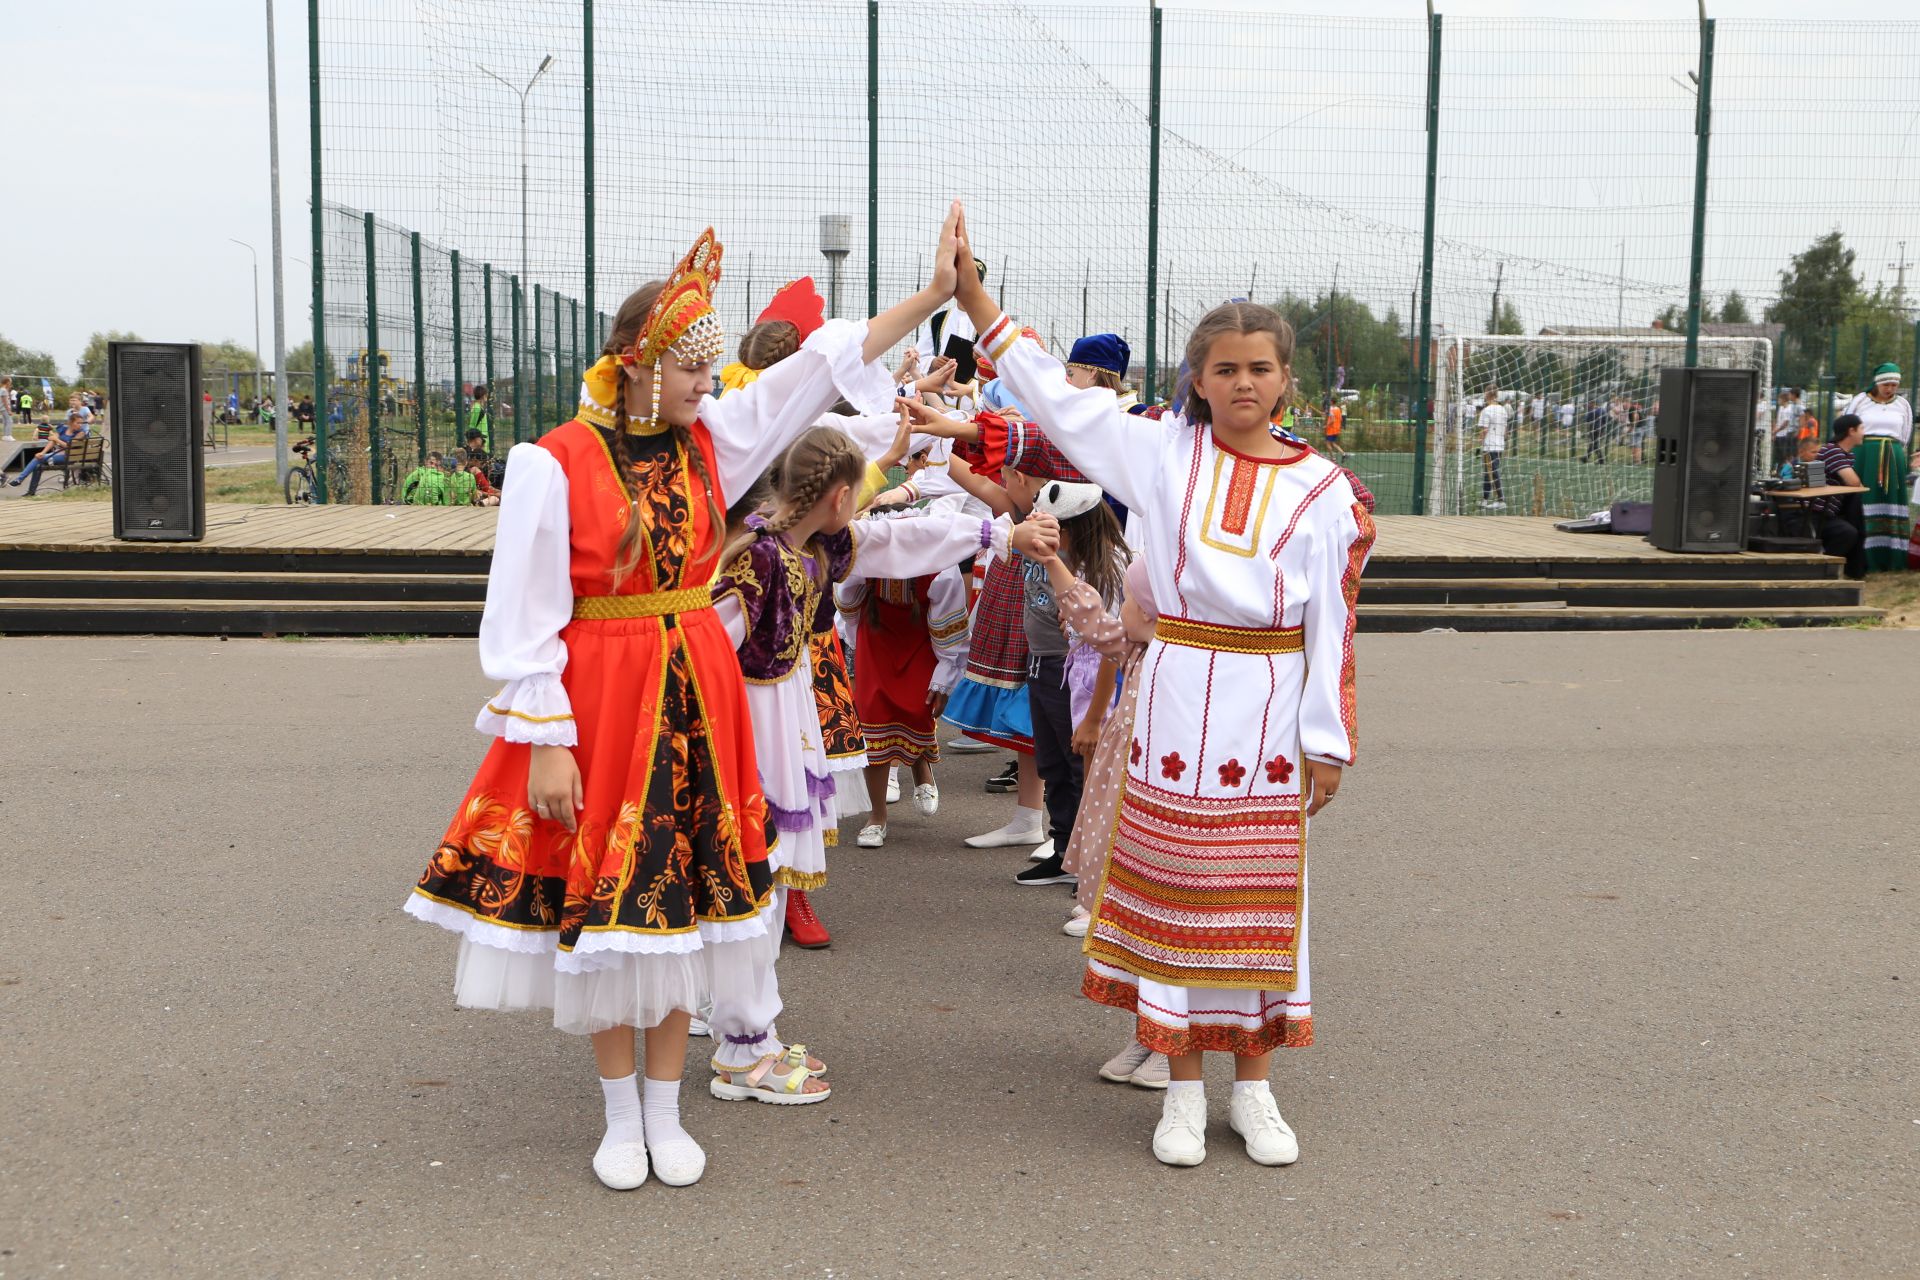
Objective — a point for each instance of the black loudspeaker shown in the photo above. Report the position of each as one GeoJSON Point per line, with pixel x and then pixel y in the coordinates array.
{"type": "Point", "coordinates": [1703, 452]}
{"type": "Point", "coordinates": [159, 478]}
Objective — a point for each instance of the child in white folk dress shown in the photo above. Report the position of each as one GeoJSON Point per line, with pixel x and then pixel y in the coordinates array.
{"type": "Point", "coordinates": [1245, 716]}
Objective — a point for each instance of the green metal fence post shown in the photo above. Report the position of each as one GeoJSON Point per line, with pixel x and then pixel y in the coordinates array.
{"type": "Point", "coordinates": [1703, 132]}
{"type": "Point", "coordinates": [319, 266]}
{"type": "Point", "coordinates": [873, 158]}
{"type": "Point", "coordinates": [577, 373]}
{"type": "Point", "coordinates": [1153, 203]}
{"type": "Point", "coordinates": [419, 355]}
{"type": "Point", "coordinates": [516, 304]}
{"type": "Point", "coordinates": [539, 368]}
{"type": "Point", "coordinates": [586, 59]}
{"type": "Point", "coordinates": [459, 370]}
{"type": "Point", "coordinates": [493, 392]}
{"type": "Point", "coordinates": [1423, 385]}
{"type": "Point", "coordinates": [370, 368]}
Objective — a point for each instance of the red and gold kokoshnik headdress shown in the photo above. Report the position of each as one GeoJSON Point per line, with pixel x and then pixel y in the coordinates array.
{"type": "Point", "coordinates": [682, 320]}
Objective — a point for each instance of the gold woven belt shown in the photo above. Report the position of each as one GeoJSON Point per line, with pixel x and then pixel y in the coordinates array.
{"type": "Point", "coordinates": [650, 604]}
{"type": "Point", "coordinates": [1206, 635]}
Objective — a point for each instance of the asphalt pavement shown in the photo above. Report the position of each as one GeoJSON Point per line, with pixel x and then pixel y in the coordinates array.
{"type": "Point", "coordinates": [1614, 957]}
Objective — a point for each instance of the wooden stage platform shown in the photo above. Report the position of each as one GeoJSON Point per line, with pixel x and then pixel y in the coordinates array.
{"type": "Point", "coordinates": [421, 570]}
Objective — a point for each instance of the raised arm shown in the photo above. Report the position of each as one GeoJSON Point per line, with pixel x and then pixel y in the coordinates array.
{"type": "Point", "coordinates": [529, 599]}
{"type": "Point", "coordinates": [751, 426]}
{"type": "Point", "coordinates": [1118, 451]}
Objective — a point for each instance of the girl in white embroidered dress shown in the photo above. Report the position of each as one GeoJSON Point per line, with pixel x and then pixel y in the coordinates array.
{"type": "Point", "coordinates": [1245, 716]}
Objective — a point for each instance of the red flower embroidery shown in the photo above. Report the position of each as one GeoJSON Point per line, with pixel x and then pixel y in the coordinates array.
{"type": "Point", "coordinates": [1136, 751]}
{"type": "Point", "coordinates": [1172, 766]}
{"type": "Point", "coordinates": [1279, 769]}
{"type": "Point", "coordinates": [1231, 773]}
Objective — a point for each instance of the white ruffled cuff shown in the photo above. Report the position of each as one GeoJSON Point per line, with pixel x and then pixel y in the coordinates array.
{"type": "Point", "coordinates": [867, 385]}
{"type": "Point", "coordinates": [535, 710]}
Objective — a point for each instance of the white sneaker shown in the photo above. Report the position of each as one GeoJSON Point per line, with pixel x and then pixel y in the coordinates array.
{"type": "Point", "coordinates": [620, 1166]}
{"type": "Point", "coordinates": [871, 836]}
{"type": "Point", "coordinates": [1076, 925]}
{"type": "Point", "coordinates": [893, 786]}
{"type": "Point", "coordinates": [926, 798]}
{"type": "Point", "coordinates": [1006, 837]}
{"type": "Point", "coordinates": [1041, 854]}
{"type": "Point", "coordinates": [968, 746]}
{"type": "Point", "coordinates": [1256, 1117]}
{"type": "Point", "coordinates": [1181, 1136]}
{"type": "Point", "coordinates": [1497, 506]}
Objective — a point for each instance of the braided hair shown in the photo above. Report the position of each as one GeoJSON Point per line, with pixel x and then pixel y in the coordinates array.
{"type": "Point", "coordinates": [627, 322]}
{"type": "Point", "coordinates": [821, 460]}
{"type": "Point", "coordinates": [768, 343]}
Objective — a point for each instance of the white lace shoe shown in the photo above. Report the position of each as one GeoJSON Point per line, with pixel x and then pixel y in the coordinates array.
{"type": "Point", "coordinates": [871, 836]}
{"type": "Point", "coordinates": [1041, 854]}
{"type": "Point", "coordinates": [622, 1165]}
{"type": "Point", "coordinates": [926, 798]}
{"type": "Point", "coordinates": [1256, 1117]}
{"type": "Point", "coordinates": [679, 1163]}
{"type": "Point", "coordinates": [1181, 1136]}
{"type": "Point", "coordinates": [893, 786]}
{"type": "Point", "coordinates": [1076, 925]}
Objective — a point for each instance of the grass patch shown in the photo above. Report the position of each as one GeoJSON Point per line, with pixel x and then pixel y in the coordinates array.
{"type": "Point", "coordinates": [255, 482]}
{"type": "Point", "coordinates": [1758, 624]}
{"type": "Point", "coordinates": [1896, 594]}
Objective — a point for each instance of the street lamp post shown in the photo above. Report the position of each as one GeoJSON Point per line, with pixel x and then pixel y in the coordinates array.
{"type": "Point", "coordinates": [256, 323]}
{"type": "Point", "coordinates": [522, 95]}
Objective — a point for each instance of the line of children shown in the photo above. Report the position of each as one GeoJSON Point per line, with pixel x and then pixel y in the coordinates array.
{"type": "Point", "coordinates": [650, 800]}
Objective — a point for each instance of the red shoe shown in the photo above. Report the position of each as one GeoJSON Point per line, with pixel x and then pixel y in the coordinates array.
{"type": "Point", "coordinates": [804, 927]}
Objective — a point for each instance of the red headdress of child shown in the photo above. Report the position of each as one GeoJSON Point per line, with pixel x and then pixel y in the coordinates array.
{"type": "Point", "coordinates": [799, 304]}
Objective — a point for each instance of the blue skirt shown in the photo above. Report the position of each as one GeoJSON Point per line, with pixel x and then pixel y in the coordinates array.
{"type": "Point", "coordinates": [991, 714]}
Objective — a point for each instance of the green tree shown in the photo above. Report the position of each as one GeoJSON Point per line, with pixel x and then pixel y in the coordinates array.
{"type": "Point", "coordinates": [1816, 293]}
{"type": "Point", "coordinates": [93, 358]}
{"type": "Point", "coordinates": [1734, 309]}
{"type": "Point", "coordinates": [1508, 321]}
{"type": "Point", "coordinates": [19, 360]}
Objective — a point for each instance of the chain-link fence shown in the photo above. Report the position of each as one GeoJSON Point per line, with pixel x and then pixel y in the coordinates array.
{"type": "Point", "coordinates": [1385, 183]}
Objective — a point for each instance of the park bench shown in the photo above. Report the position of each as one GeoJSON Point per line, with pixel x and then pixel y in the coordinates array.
{"type": "Point", "coordinates": [85, 462]}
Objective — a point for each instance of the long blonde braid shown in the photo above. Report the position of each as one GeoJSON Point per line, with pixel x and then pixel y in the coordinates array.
{"type": "Point", "coordinates": [812, 466]}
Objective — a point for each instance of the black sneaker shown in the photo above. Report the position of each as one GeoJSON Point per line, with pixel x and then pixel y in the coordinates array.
{"type": "Point", "coordinates": [1047, 871]}
{"type": "Point", "coordinates": [1008, 779]}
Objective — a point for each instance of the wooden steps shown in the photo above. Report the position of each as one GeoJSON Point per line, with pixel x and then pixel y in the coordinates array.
{"type": "Point", "coordinates": [422, 571]}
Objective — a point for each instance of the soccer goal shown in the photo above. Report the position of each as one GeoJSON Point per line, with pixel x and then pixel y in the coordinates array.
{"type": "Point", "coordinates": [1580, 415]}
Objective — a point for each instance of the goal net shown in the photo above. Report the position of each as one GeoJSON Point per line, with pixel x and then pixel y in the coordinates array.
{"type": "Point", "coordinates": [1580, 416]}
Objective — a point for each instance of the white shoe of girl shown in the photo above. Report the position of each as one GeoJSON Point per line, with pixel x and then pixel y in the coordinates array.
{"type": "Point", "coordinates": [1256, 1117]}
{"type": "Point", "coordinates": [926, 798]}
{"type": "Point", "coordinates": [1181, 1136]}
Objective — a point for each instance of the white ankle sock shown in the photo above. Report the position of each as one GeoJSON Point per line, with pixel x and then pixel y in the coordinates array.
{"type": "Point", "coordinates": [1245, 1086]}
{"type": "Point", "coordinates": [623, 1109]}
{"type": "Point", "coordinates": [1024, 819]}
{"type": "Point", "coordinates": [661, 1109]}
{"type": "Point", "coordinates": [1177, 1087]}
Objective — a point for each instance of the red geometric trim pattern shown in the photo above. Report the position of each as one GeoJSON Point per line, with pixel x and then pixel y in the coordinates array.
{"type": "Point", "coordinates": [1283, 1033]}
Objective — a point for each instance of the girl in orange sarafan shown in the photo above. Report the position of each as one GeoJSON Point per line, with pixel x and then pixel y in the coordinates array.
{"type": "Point", "coordinates": [609, 862]}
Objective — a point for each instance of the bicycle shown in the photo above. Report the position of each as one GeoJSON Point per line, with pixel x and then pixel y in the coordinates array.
{"type": "Point", "coordinates": [300, 475]}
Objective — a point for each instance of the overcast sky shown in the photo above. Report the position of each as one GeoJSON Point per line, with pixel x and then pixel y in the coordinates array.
{"type": "Point", "coordinates": [138, 147]}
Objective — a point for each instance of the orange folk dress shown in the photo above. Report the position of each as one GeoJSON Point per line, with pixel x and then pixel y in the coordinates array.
{"type": "Point", "coordinates": [664, 893]}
